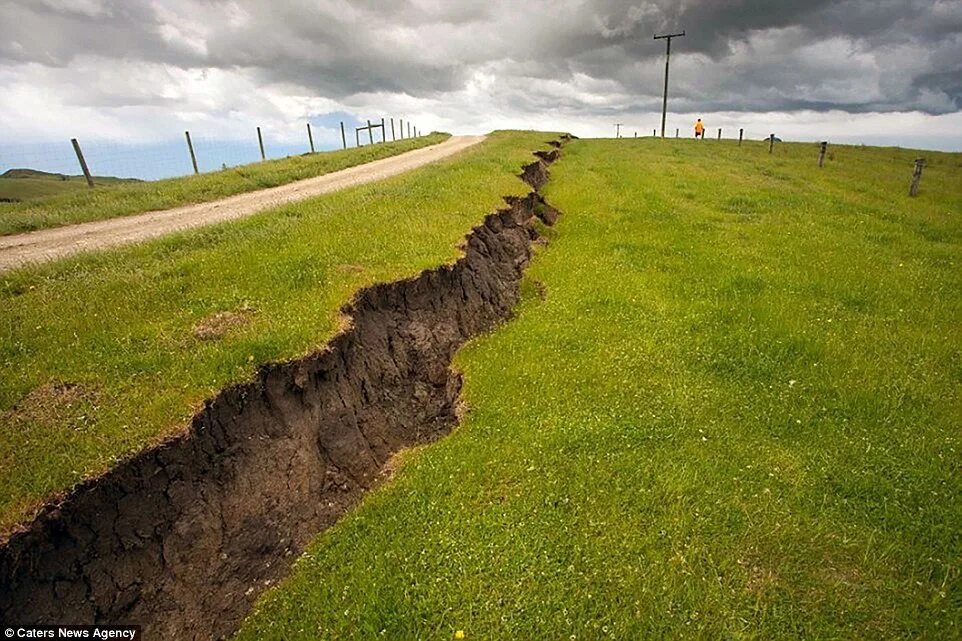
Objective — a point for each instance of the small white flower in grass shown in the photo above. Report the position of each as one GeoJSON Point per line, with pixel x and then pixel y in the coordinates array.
{"type": "Point", "coordinates": [791, 383]}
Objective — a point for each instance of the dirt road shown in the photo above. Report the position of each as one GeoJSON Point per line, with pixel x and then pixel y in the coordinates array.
{"type": "Point", "coordinates": [48, 244]}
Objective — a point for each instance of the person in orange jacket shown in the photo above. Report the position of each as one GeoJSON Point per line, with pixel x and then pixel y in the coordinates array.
{"type": "Point", "coordinates": [699, 129]}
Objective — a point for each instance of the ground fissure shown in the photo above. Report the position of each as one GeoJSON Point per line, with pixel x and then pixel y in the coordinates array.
{"type": "Point", "coordinates": [184, 536]}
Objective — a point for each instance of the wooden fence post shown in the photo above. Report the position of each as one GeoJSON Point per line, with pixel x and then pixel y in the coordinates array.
{"type": "Point", "coordinates": [370, 134]}
{"type": "Point", "coordinates": [823, 147]}
{"type": "Point", "coordinates": [741, 134]}
{"type": "Point", "coordinates": [677, 132]}
{"type": "Point", "coordinates": [190, 148]}
{"type": "Point", "coordinates": [260, 141]}
{"type": "Point", "coordinates": [916, 176]}
{"type": "Point", "coordinates": [310, 137]}
{"type": "Point", "coordinates": [409, 128]}
{"type": "Point", "coordinates": [393, 137]}
{"type": "Point", "coordinates": [400, 123]}
{"type": "Point", "coordinates": [343, 137]}
{"type": "Point", "coordinates": [719, 133]}
{"type": "Point", "coordinates": [771, 143]}
{"type": "Point", "coordinates": [357, 136]}
{"type": "Point", "coordinates": [83, 163]}
{"type": "Point", "coordinates": [654, 132]}
{"type": "Point", "coordinates": [383, 136]}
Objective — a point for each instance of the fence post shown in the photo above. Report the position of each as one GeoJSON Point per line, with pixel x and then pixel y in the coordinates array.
{"type": "Point", "coordinates": [357, 136]}
{"type": "Point", "coordinates": [400, 122]}
{"type": "Point", "coordinates": [370, 133]}
{"type": "Point", "coordinates": [393, 137]}
{"type": "Point", "coordinates": [260, 141]}
{"type": "Point", "coordinates": [741, 134]}
{"type": "Point", "coordinates": [190, 148]}
{"type": "Point", "coordinates": [383, 136]}
{"type": "Point", "coordinates": [409, 128]}
{"type": "Point", "coordinates": [771, 143]}
{"type": "Point", "coordinates": [677, 132]}
{"type": "Point", "coordinates": [310, 137]}
{"type": "Point", "coordinates": [916, 176]}
{"type": "Point", "coordinates": [343, 137]}
{"type": "Point", "coordinates": [719, 133]}
{"type": "Point", "coordinates": [654, 132]}
{"type": "Point", "coordinates": [821, 152]}
{"type": "Point", "coordinates": [83, 163]}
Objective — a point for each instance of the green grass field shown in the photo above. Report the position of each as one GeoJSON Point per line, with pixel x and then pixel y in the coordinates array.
{"type": "Point", "coordinates": [734, 414]}
{"type": "Point", "coordinates": [104, 354]}
{"type": "Point", "coordinates": [17, 185]}
{"type": "Point", "coordinates": [112, 199]}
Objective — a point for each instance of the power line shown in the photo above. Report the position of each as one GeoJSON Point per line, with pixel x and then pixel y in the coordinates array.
{"type": "Point", "coordinates": [664, 104]}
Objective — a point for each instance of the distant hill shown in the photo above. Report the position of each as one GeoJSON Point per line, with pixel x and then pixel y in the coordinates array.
{"type": "Point", "coordinates": [21, 184]}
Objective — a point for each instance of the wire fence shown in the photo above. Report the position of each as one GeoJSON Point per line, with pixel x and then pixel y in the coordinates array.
{"type": "Point", "coordinates": [171, 156]}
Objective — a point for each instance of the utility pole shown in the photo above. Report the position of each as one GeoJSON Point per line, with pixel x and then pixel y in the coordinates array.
{"type": "Point", "coordinates": [617, 130]}
{"type": "Point", "coordinates": [664, 104]}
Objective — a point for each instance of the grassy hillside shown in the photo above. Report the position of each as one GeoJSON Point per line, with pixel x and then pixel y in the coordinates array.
{"type": "Point", "coordinates": [729, 408]}
{"type": "Point", "coordinates": [112, 200]}
{"type": "Point", "coordinates": [106, 353]}
{"type": "Point", "coordinates": [17, 185]}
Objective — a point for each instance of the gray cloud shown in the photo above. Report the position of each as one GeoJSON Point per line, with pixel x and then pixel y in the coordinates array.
{"type": "Point", "coordinates": [739, 55]}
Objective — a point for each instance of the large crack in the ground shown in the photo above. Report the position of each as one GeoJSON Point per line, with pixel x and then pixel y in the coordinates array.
{"type": "Point", "coordinates": [182, 538]}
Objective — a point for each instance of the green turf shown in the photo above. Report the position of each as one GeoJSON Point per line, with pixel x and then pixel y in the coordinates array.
{"type": "Point", "coordinates": [112, 200]}
{"type": "Point", "coordinates": [99, 353]}
{"type": "Point", "coordinates": [17, 185]}
{"type": "Point", "coordinates": [734, 415]}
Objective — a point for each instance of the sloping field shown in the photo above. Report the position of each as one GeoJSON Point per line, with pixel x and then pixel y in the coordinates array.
{"type": "Point", "coordinates": [17, 250]}
{"type": "Point", "coordinates": [105, 354]}
{"type": "Point", "coordinates": [118, 198]}
{"type": "Point", "coordinates": [728, 408]}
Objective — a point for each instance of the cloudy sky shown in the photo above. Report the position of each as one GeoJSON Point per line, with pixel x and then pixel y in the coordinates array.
{"type": "Point", "coordinates": [874, 71]}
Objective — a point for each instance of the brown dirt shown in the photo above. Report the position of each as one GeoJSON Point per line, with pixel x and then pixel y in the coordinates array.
{"type": "Point", "coordinates": [183, 537]}
{"type": "Point", "coordinates": [48, 244]}
{"type": "Point", "coordinates": [220, 324]}
{"type": "Point", "coordinates": [54, 404]}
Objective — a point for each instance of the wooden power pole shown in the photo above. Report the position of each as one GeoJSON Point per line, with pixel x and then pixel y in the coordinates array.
{"type": "Point", "coordinates": [664, 103]}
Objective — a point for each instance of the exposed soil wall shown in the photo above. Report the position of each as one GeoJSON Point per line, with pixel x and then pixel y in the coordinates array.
{"type": "Point", "coordinates": [183, 537]}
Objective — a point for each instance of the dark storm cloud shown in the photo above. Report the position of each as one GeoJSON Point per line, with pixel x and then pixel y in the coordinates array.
{"type": "Point", "coordinates": [53, 32]}
{"type": "Point", "coordinates": [338, 51]}
{"type": "Point", "coordinates": [739, 55]}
